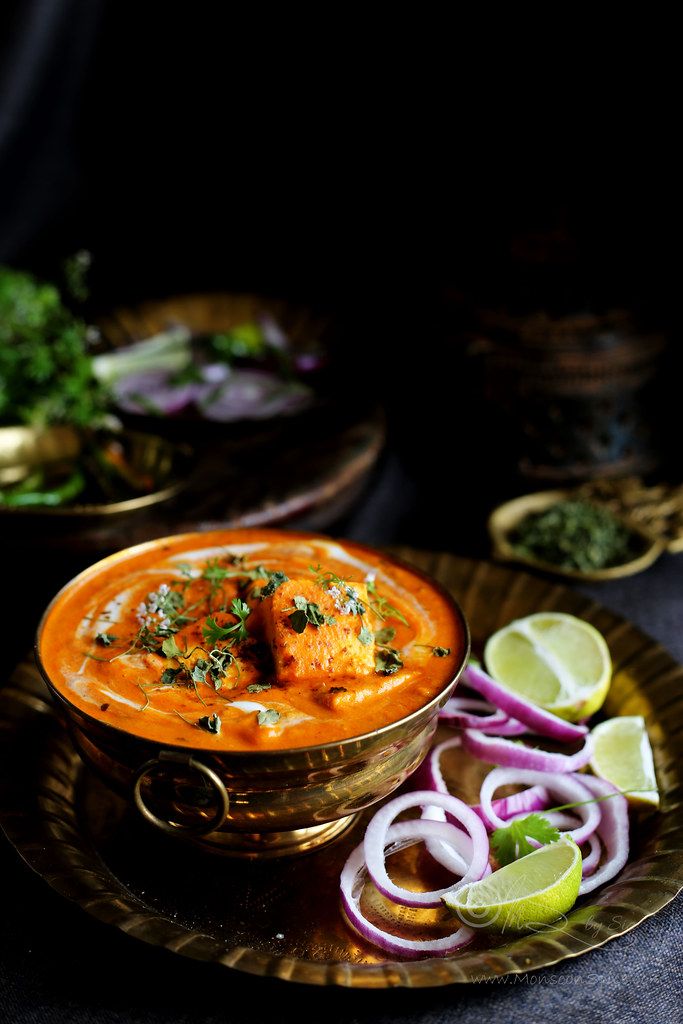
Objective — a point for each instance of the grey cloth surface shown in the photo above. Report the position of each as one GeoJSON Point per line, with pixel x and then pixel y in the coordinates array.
{"type": "Point", "coordinates": [58, 965]}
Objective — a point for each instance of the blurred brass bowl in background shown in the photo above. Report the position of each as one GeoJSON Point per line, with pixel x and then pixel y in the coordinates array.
{"type": "Point", "coordinates": [25, 448]}
{"type": "Point", "coordinates": [505, 519]}
{"type": "Point", "coordinates": [258, 802]}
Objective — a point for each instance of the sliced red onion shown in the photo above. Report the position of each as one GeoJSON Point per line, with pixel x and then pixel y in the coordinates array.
{"type": "Point", "coordinates": [533, 799]}
{"type": "Point", "coordinates": [568, 789]}
{"type": "Point", "coordinates": [150, 392]}
{"type": "Point", "coordinates": [273, 334]}
{"type": "Point", "coordinates": [612, 831]}
{"type": "Point", "coordinates": [539, 721]}
{"type": "Point", "coordinates": [525, 802]}
{"type": "Point", "coordinates": [430, 772]}
{"type": "Point", "coordinates": [255, 395]}
{"type": "Point", "coordinates": [428, 830]}
{"type": "Point", "coordinates": [510, 728]}
{"type": "Point", "coordinates": [592, 858]}
{"type": "Point", "coordinates": [375, 842]}
{"type": "Point", "coordinates": [561, 820]}
{"type": "Point", "coordinates": [351, 884]}
{"type": "Point", "coordinates": [496, 750]}
{"type": "Point", "coordinates": [468, 713]}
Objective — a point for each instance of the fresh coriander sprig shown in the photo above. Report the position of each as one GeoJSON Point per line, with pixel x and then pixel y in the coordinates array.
{"type": "Point", "coordinates": [268, 717]}
{"type": "Point", "coordinates": [381, 606]}
{"type": "Point", "coordinates": [387, 661]}
{"type": "Point", "coordinates": [236, 632]}
{"type": "Point", "coordinates": [105, 639]}
{"type": "Point", "coordinates": [345, 595]}
{"type": "Point", "coordinates": [307, 613]}
{"type": "Point", "coordinates": [512, 842]}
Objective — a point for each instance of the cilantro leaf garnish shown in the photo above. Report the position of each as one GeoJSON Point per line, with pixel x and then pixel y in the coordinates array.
{"type": "Point", "coordinates": [105, 639]}
{"type": "Point", "coordinates": [234, 633]}
{"type": "Point", "coordinates": [441, 652]}
{"type": "Point", "coordinates": [346, 597]}
{"type": "Point", "coordinates": [381, 606]}
{"type": "Point", "coordinates": [258, 687]}
{"type": "Point", "coordinates": [365, 636]}
{"type": "Point", "coordinates": [387, 661]}
{"type": "Point", "coordinates": [199, 671]}
{"type": "Point", "coordinates": [168, 676]}
{"type": "Point", "coordinates": [170, 648]}
{"type": "Point", "coordinates": [385, 636]}
{"type": "Point", "coordinates": [308, 613]}
{"type": "Point", "coordinates": [220, 659]}
{"type": "Point", "coordinates": [268, 717]}
{"type": "Point", "coordinates": [512, 842]}
{"type": "Point", "coordinates": [276, 580]}
{"type": "Point", "coordinates": [211, 723]}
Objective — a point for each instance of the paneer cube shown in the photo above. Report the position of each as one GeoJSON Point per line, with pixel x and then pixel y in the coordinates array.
{"type": "Point", "coordinates": [319, 651]}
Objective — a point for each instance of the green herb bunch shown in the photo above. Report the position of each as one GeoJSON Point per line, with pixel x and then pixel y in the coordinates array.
{"type": "Point", "coordinates": [45, 369]}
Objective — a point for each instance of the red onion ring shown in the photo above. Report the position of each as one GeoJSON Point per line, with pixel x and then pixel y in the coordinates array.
{"type": "Point", "coordinates": [592, 858]}
{"type": "Point", "coordinates": [457, 712]}
{"type": "Point", "coordinates": [534, 799]}
{"type": "Point", "coordinates": [351, 884]}
{"type": "Point", "coordinates": [507, 807]}
{"type": "Point", "coordinates": [376, 840]}
{"type": "Point", "coordinates": [569, 788]}
{"type": "Point", "coordinates": [430, 774]}
{"type": "Point", "coordinates": [612, 832]}
{"type": "Point", "coordinates": [496, 750]}
{"type": "Point", "coordinates": [539, 721]}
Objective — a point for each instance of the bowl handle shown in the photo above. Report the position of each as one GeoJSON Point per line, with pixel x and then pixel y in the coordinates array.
{"type": "Point", "coordinates": [166, 756]}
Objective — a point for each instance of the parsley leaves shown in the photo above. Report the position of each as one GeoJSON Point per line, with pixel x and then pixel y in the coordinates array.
{"type": "Point", "coordinates": [381, 606]}
{"type": "Point", "coordinates": [387, 661]}
{"type": "Point", "coordinates": [307, 613]}
{"type": "Point", "coordinates": [512, 842]}
{"type": "Point", "coordinates": [365, 636]}
{"type": "Point", "coordinates": [211, 723]}
{"type": "Point", "coordinates": [276, 580]}
{"type": "Point", "coordinates": [234, 633]}
{"type": "Point", "coordinates": [105, 639]}
{"type": "Point", "coordinates": [268, 717]}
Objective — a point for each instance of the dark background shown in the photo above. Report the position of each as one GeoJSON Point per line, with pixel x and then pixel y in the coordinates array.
{"type": "Point", "coordinates": [400, 175]}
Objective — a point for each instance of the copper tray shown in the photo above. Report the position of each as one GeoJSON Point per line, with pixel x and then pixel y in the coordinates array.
{"type": "Point", "coordinates": [283, 918]}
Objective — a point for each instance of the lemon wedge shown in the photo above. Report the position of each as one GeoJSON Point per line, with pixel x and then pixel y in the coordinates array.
{"type": "Point", "coordinates": [529, 893]}
{"type": "Point", "coordinates": [623, 756]}
{"type": "Point", "coordinates": [555, 660]}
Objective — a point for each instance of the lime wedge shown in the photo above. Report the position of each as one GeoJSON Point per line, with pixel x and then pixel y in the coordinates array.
{"type": "Point", "coordinates": [555, 660]}
{"type": "Point", "coordinates": [529, 893]}
{"type": "Point", "coordinates": [623, 756]}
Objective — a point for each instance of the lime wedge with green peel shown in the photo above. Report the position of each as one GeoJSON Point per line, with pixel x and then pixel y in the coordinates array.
{"type": "Point", "coordinates": [528, 894]}
{"type": "Point", "coordinates": [623, 756]}
{"type": "Point", "coordinates": [555, 660]}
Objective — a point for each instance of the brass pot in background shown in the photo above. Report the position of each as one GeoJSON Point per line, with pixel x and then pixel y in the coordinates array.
{"type": "Point", "coordinates": [573, 392]}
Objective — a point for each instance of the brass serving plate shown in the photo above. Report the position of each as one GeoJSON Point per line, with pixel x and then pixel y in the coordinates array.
{"type": "Point", "coordinates": [282, 918]}
{"type": "Point", "coordinates": [507, 517]}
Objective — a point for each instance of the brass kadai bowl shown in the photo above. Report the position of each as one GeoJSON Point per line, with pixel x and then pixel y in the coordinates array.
{"type": "Point", "coordinates": [266, 802]}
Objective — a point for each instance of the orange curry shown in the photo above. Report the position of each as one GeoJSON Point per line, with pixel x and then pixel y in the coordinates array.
{"type": "Point", "coordinates": [250, 639]}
